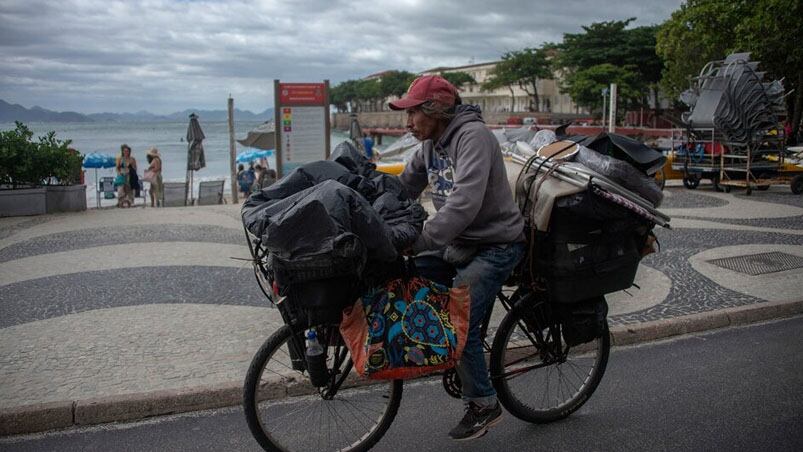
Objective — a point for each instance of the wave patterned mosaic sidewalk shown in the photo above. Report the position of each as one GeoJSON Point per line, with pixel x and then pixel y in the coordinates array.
{"type": "Point", "coordinates": [117, 302]}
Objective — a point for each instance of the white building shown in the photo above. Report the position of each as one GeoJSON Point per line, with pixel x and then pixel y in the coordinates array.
{"type": "Point", "coordinates": [500, 100]}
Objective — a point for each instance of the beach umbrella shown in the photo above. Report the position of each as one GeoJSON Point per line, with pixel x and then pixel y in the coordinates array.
{"type": "Point", "coordinates": [195, 151]}
{"type": "Point", "coordinates": [250, 155]}
{"type": "Point", "coordinates": [245, 157]}
{"type": "Point", "coordinates": [96, 160]}
{"type": "Point", "coordinates": [263, 154]}
{"type": "Point", "coordinates": [262, 137]}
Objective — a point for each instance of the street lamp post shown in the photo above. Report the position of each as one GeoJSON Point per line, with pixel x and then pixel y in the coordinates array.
{"type": "Point", "coordinates": [604, 104]}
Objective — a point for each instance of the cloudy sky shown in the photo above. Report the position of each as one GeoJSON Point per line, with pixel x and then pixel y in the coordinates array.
{"type": "Point", "coordinates": [167, 55]}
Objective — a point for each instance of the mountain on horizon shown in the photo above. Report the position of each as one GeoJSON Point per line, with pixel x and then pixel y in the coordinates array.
{"type": "Point", "coordinates": [15, 112]}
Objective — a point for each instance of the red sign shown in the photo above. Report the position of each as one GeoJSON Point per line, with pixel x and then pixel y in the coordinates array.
{"type": "Point", "coordinates": [301, 93]}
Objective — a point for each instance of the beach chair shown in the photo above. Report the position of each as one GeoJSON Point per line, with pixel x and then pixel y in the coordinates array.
{"type": "Point", "coordinates": [174, 193]}
{"type": "Point", "coordinates": [107, 187]}
{"type": "Point", "coordinates": [210, 192]}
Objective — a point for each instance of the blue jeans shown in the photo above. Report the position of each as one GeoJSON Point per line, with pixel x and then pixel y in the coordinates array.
{"type": "Point", "coordinates": [484, 274]}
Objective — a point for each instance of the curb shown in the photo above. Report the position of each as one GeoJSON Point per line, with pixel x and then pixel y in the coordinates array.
{"type": "Point", "coordinates": [704, 321]}
{"type": "Point", "coordinates": [59, 415]}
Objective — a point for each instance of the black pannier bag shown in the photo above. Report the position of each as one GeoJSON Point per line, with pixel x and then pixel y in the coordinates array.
{"type": "Point", "coordinates": [592, 248]}
{"type": "Point", "coordinates": [583, 321]}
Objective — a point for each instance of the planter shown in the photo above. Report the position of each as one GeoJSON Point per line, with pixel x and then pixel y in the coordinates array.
{"type": "Point", "coordinates": [23, 201]}
{"type": "Point", "coordinates": [65, 198]}
{"type": "Point", "coordinates": [42, 200]}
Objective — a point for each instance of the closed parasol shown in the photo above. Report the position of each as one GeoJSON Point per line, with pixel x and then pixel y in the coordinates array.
{"type": "Point", "coordinates": [195, 151]}
{"type": "Point", "coordinates": [355, 133]}
{"type": "Point", "coordinates": [195, 147]}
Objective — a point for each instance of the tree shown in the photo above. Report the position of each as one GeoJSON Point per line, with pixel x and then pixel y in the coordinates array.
{"type": "Point", "coordinates": [599, 43]}
{"type": "Point", "coordinates": [368, 93]}
{"type": "Point", "coordinates": [523, 68]}
{"type": "Point", "coordinates": [458, 78]}
{"type": "Point", "coordinates": [395, 83]}
{"type": "Point", "coordinates": [501, 76]}
{"type": "Point", "coordinates": [767, 34]}
{"type": "Point", "coordinates": [641, 57]}
{"type": "Point", "coordinates": [614, 44]}
{"type": "Point", "coordinates": [585, 86]}
{"type": "Point", "coordinates": [343, 93]}
{"type": "Point", "coordinates": [362, 94]}
{"type": "Point", "coordinates": [708, 30]}
{"type": "Point", "coordinates": [699, 32]}
{"type": "Point", "coordinates": [25, 162]}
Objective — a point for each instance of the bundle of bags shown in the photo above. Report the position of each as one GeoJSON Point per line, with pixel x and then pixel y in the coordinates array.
{"type": "Point", "coordinates": [331, 230]}
{"type": "Point", "coordinates": [327, 223]}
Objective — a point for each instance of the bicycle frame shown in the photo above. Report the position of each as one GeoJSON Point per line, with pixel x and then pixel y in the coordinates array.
{"type": "Point", "coordinates": [544, 344]}
{"type": "Point", "coordinates": [295, 320]}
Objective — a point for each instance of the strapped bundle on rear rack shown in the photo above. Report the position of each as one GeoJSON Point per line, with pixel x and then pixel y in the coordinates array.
{"type": "Point", "coordinates": [587, 233]}
{"type": "Point", "coordinates": [321, 231]}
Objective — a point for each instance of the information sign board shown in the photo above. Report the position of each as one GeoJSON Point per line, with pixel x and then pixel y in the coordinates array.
{"type": "Point", "coordinates": [302, 131]}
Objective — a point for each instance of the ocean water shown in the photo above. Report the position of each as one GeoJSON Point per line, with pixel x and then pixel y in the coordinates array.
{"type": "Point", "coordinates": [168, 137]}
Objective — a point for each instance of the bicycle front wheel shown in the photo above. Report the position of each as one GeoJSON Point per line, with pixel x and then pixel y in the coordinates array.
{"type": "Point", "coordinates": [286, 413]}
{"type": "Point", "coordinates": [537, 376]}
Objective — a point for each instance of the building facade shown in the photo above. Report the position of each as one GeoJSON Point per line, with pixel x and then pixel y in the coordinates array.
{"type": "Point", "coordinates": [501, 100]}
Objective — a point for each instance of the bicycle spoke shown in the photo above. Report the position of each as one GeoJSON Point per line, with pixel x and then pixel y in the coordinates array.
{"type": "Point", "coordinates": [354, 416]}
{"type": "Point", "coordinates": [549, 380]}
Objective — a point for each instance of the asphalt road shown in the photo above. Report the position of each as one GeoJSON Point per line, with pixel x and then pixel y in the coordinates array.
{"type": "Point", "coordinates": [734, 389]}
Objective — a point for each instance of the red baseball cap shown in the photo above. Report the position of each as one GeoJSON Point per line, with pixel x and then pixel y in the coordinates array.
{"type": "Point", "coordinates": [424, 88]}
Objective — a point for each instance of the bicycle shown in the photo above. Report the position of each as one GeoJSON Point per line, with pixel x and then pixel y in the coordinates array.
{"type": "Point", "coordinates": [528, 353]}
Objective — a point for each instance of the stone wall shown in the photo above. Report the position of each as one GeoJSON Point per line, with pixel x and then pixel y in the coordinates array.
{"type": "Point", "coordinates": [398, 119]}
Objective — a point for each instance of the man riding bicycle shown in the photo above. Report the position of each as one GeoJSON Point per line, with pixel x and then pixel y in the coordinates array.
{"type": "Point", "coordinates": [476, 237]}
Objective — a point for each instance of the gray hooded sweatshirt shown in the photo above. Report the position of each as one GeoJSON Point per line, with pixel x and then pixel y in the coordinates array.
{"type": "Point", "coordinates": [469, 184]}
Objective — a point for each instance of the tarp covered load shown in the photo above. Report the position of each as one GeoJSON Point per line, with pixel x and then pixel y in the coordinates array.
{"type": "Point", "coordinates": [625, 161]}
{"type": "Point", "coordinates": [330, 218]}
{"type": "Point", "coordinates": [587, 232]}
{"type": "Point", "coordinates": [402, 148]}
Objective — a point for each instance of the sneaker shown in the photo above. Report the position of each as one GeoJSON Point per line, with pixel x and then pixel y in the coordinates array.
{"type": "Point", "coordinates": [476, 421]}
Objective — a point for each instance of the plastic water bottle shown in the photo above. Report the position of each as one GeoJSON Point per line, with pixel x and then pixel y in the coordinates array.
{"type": "Point", "coordinates": [316, 360]}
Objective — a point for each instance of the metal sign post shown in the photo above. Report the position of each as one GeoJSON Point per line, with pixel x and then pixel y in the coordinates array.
{"type": "Point", "coordinates": [302, 123]}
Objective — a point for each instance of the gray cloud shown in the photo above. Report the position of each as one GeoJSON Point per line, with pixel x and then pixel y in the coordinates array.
{"type": "Point", "coordinates": [167, 55]}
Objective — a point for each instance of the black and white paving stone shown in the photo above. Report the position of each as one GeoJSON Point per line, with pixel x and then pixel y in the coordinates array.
{"type": "Point", "coordinates": [74, 240]}
{"type": "Point", "coordinates": [54, 296]}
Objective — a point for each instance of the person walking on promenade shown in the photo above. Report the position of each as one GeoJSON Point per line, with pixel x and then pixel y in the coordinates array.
{"type": "Point", "coordinates": [154, 175]}
{"type": "Point", "coordinates": [477, 233]}
{"type": "Point", "coordinates": [368, 144]}
{"type": "Point", "coordinates": [242, 184]}
{"type": "Point", "coordinates": [249, 178]}
{"type": "Point", "coordinates": [126, 164]}
{"type": "Point", "coordinates": [258, 173]}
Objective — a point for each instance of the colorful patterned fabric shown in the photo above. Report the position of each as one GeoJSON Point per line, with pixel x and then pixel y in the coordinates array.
{"type": "Point", "coordinates": [408, 328]}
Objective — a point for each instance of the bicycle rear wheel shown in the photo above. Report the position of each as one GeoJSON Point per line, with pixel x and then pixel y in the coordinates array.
{"type": "Point", "coordinates": [537, 376]}
{"type": "Point", "coordinates": [285, 412]}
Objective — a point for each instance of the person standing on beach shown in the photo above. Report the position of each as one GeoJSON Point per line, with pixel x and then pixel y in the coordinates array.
{"type": "Point", "coordinates": [155, 176]}
{"type": "Point", "coordinates": [125, 165]}
{"type": "Point", "coordinates": [476, 235]}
